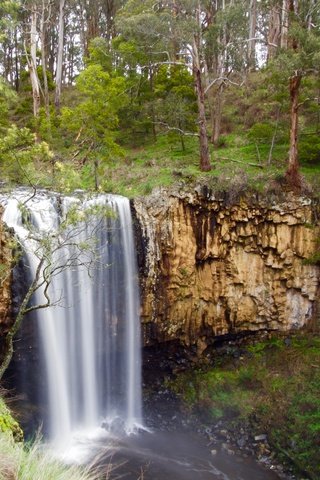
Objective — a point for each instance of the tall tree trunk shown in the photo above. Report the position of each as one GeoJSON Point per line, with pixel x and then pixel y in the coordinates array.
{"type": "Point", "coordinates": [51, 50]}
{"type": "Point", "coordinates": [274, 32]}
{"type": "Point", "coordinates": [217, 116]}
{"type": "Point", "coordinates": [110, 11]}
{"type": "Point", "coordinates": [153, 113]}
{"type": "Point", "coordinates": [32, 63]}
{"type": "Point", "coordinates": [203, 137]}
{"type": "Point", "coordinates": [16, 62]}
{"type": "Point", "coordinates": [284, 23]}
{"type": "Point", "coordinates": [252, 34]}
{"type": "Point", "coordinates": [59, 69]}
{"type": "Point", "coordinates": [43, 38]}
{"type": "Point", "coordinates": [292, 173]}
{"type": "Point", "coordinates": [92, 21]}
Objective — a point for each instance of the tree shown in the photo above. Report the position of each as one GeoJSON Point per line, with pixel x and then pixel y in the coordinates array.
{"type": "Point", "coordinates": [227, 55]}
{"type": "Point", "coordinates": [19, 151]}
{"type": "Point", "coordinates": [175, 31]}
{"type": "Point", "coordinates": [175, 104]}
{"type": "Point", "coordinates": [9, 54]}
{"type": "Point", "coordinates": [298, 59]}
{"type": "Point", "coordinates": [59, 55]}
{"type": "Point", "coordinates": [53, 254]}
{"type": "Point", "coordinates": [32, 60]}
{"type": "Point", "coordinates": [94, 119]}
{"type": "Point", "coordinates": [7, 98]}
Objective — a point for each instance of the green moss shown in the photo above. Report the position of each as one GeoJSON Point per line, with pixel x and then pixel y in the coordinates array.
{"type": "Point", "coordinates": [313, 259]}
{"type": "Point", "coordinates": [8, 424]}
{"type": "Point", "coordinates": [275, 387]}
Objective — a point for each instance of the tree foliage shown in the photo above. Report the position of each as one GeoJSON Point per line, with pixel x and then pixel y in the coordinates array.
{"type": "Point", "coordinates": [130, 71]}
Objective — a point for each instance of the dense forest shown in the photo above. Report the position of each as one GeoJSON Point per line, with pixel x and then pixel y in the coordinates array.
{"type": "Point", "coordinates": [95, 90]}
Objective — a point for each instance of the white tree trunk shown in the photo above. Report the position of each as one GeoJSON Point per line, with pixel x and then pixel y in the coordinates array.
{"type": "Point", "coordinates": [284, 24]}
{"type": "Point", "coordinates": [35, 84]}
{"type": "Point", "coordinates": [60, 55]}
{"type": "Point", "coordinates": [44, 59]}
{"type": "Point", "coordinates": [252, 34]}
{"type": "Point", "coordinates": [274, 31]}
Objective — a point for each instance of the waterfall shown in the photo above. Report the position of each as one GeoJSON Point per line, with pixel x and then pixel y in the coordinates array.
{"type": "Point", "coordinates": [90, 336]}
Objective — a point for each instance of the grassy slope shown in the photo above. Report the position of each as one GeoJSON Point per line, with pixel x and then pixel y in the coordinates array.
{"type": "Point", "coordinates": [164, 163]}
{"type": "Point", "coordinates": [275, 387]}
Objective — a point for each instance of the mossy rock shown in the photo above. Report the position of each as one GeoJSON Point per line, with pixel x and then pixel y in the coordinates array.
{"type": "Point", "coordinates": [8, 424]}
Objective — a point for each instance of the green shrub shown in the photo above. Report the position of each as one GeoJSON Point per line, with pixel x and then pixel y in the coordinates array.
{"type": "Point", "coordinates": [309, 149]}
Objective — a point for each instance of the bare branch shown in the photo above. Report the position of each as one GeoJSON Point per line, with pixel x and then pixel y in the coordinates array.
{"type": "Point", "coordinates": [187, 134]}
{"type": "Point", "coordinates": [222, 80]}
{"type": "Point", "coordinates": [258, 165]}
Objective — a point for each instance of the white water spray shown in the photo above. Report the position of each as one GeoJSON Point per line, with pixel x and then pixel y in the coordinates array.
{"type": "Point", "coordinates": [91, 336]}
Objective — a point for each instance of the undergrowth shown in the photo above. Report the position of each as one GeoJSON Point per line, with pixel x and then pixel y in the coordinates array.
{"type": "Point", "coordinates": [29, 461]}
{"type": "Point", "coordinates": [236, 163]}
{"type": "Point", "coordinates": [18, 461]}
{"type": "Point", "coordinates": [274, 387]}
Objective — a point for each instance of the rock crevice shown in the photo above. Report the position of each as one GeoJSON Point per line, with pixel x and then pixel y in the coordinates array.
{"type": "Point", "coordinates": [209, 269]}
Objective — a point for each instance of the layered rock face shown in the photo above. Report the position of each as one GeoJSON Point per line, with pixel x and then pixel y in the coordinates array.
{"type": "Point", "coordinates": [211, 269]}
{"type": "Point", "coordinates": [5, 276]}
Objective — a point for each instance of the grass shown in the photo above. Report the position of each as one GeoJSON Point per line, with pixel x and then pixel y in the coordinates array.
{"type": "Point", "coordinates": [164, 163]}
{"type": "Point", "coordinates": [18, 461]}
{"type": "Point", "coordinates": [30, 462]}
{"type": "Point", "coordinates": [238, 164]}
{"type": "Point", "coordinates": [274, 387]}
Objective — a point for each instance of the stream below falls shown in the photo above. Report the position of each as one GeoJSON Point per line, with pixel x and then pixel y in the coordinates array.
{"type": "Point", "coordinates": [178, 455]}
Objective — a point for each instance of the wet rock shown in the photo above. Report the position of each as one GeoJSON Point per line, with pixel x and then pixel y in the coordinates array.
{"type": "Point", "coordinates": [225, 447]}
{"type": "Point", "coordinates": [242, 441]}
{"type": "Point", "coordinates": [260, 438]}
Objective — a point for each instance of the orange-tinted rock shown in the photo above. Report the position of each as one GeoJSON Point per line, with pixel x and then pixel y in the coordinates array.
{"type": "Point", "coordinates": [212, 269]}
{"type": "Point", "coordinates": [5, 276]}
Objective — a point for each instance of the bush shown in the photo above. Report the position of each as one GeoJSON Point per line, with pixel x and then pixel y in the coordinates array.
{"type": "Point", "coordinates": [261, 133]}
{"type": "Point", "coordinates": [309, 149]}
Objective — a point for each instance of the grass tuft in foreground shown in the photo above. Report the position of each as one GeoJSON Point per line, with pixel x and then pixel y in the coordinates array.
{"type": "Point", "coordinates": [18, 461]}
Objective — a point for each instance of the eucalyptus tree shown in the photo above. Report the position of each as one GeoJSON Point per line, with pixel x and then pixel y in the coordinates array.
{"type": "Point", "coordinates": [171, 33]}
{"type": "Point", "coordinates": [227, 54]}
{"type": "Point", "coordinates": [60, 52]}
{"type": "Point", "coordinates": [176, 101]}
{"type": "Point", "coordinates": [298, 59]}
{"type": "Point", "coordinates": [94, 119]}
{"type": "Point", "coordinates": [10, 48]}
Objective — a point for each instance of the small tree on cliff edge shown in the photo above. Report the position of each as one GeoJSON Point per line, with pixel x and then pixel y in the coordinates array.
{"type": "Point", "coordinates": [55, 253]}
{"type": "Point", "coordinates": [300, 58]}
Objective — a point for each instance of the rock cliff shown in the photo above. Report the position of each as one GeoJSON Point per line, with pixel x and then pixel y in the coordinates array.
{"type": "Point", "coordinates": [5, 275]}
{"type": "Point", "coordinates": [208, 268]}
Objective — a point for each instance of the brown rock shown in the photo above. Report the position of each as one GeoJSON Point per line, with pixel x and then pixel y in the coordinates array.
{"type": "Point", "coordinates": [212, 269]}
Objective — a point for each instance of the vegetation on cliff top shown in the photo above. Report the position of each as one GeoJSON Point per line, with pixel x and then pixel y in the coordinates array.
{"type": "Point", "coordinates": [125, 95]}
{"type": "Point", "coordinates": [273, 386]}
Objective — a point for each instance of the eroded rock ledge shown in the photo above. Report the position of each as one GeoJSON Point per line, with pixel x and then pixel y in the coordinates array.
{"type": "Point", "coordinates": [211, 269]}
{"type": "Point", "coordinates": [5, 276]}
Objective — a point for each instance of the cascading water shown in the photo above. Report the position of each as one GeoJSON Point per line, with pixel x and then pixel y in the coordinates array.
{"type": "Point", "coordinates": [91, 336]}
